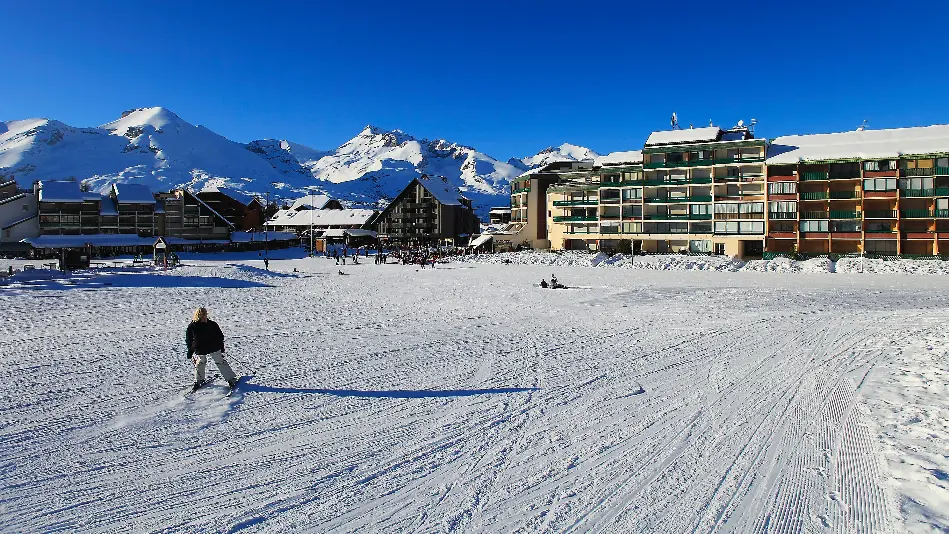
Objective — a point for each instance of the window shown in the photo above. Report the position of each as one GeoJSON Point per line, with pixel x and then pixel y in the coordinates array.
{"type": "Point", "coordinates": [879, 227]}
{"type": "Point", "coordinates": [26, 207]}
{"type": "Point", "coordinates": [610, 178]}
{"type": "Point", "coordinates": [739, 227]}
{"type": "Point", "coordinates": [700, 209]}
{"type": "Point", "coordinates": [726, 208]}
{"type": "Point", "coordinates": [632, 194]}
{"type": "Point", "coordinates": [702, 228]}
{"type": "Point", "coordinates": [632, 228]}
{"type": "Point", "coordinates": [700, 245]}
{"type": "Point", "coordinates": [845, 226]}
{"type": "Point", "coordinates": [942, 162]}
{"type": "Point", "coordinates": [782, 188]}
{"type": "Point", "coordinates": [782, 207]}
{"type": "Point", "coordinates": [813, 226]}
{"type": "Point", "coordinates": [916, 183]}
{"type": "Point", "coordinates": [874, 166]}
{"type": "Point", "coordinates": [879, 184]}
{"type": "Point", "coordinates": [751, 207]}
{"type": "Point", "coordinates": [7, 233]}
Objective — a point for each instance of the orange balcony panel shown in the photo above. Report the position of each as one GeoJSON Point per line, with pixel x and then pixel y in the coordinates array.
{"type": "Point", "coordinates": [884, 235]}
{"type": "Point", "coordinates": [814, 235]}
{"type": "Point", "coordinates": [880, 174]}
{"type": "Point", "coordinates": [919, 235]}
{"type": "Point", "coordinates": [782, 178]}
{"type": "Point", "coordinates": [782, 197]}
{"type": "Point", "coordinates": [846, 235]}
{"type": "Point", "coordinates": [783, 235]}
{"type": "Point", "coordinates": [879, 194]}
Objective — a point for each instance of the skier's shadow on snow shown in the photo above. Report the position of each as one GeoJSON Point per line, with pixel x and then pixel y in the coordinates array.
{"type": "Point", "coordinates": [387, 394]}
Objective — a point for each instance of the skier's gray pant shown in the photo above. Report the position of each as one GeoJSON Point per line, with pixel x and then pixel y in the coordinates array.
{"type": "Point", "coordinates": [201, 362]}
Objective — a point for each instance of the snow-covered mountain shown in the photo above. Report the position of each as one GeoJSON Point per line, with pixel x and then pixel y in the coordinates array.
{"type": "Point", "coordinates": [377, 163]}
{"type": "Point", "coordinates": [155, 147]}
{"type": "Point", "coordinates": [564, 152]}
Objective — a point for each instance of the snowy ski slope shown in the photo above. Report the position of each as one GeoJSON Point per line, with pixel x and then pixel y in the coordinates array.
{"type": "Point", "coordinates": [465, 399]}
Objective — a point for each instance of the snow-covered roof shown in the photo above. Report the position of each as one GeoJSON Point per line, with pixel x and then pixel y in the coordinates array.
{"type": "Point", "coordinates": [620, 158]}
{"type": "Point", "coordinates": [247, 237]}
{"type": "Point", "coordinates": [107, 207]}
{"type": "Point", "coordinates": [316, 217]}
{"type": "Point", "coordinates": [482, 239]}
{"type": "Point", "coordinates": [342, 232]}
{"type": "Point", "coordinates": [500, 210]}
{"type": "Point", "coordinates": [237, 195]}
{"type": "Point", "coordinates": [7, 183]}
{"type": "Point", "coordinates": [312, 202]}
{"type": "Point", "coordinates": [865, 144]}
{"type": "Point", "coordinates": [61, 191]}
{"type": "Point", "coordinates": [17, 196]}
{"type": "Point", "coordinates": [133, 194]}
{"type": "Point", "coordinates": [692, 135]}
{"type": "Point", "coordinates": [441, 189]}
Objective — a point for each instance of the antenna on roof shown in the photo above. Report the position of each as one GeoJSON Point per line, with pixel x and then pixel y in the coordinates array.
{"type": "Point", "coordinates": [675, 121]}
{"type": "Point", "coordinates": [863, 127]}
{"type": "Point", "coordinates": [710, 123]}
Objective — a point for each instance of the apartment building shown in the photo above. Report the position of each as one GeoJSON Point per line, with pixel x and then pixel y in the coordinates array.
{"type": "Point", "coordinates": [529, 221]}
{"type": "Point", "coordinates": [428, 211]}
{"type": "Point", "coordinates": [875, 191]}
{"type": "Point", "coordinates": [696, 190]}
{"type": "Point", "coordinates": [18, 217]}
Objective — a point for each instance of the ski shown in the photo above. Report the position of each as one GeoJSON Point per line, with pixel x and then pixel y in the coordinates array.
{"type": "Point", "coordinates": [231, 389]}
{"type": "Point", "coordinates": [194, 388]}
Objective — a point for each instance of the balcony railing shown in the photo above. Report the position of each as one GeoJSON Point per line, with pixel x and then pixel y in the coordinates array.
{"type": "Point", "coordinates": [574, 218]}
{"type": "Point", "coordinates": [670, 200]}
{"type": "Point", "coordinates": [814, 195]}
{"type": "Point", "coordinates": [879, 214]}
{"type": "Point", "coordinates": [811, 176]}
{"type": "Point", "coordinates": [942, 213]}
{"type": "Point", "coordinates": [844, 195]}
{"type": "Point", "coordinates": [917, 172]}
{"type": "Point", "coordinates": [576, 202]}
{"type": "Point", "coordinates": [845, 175]}
{"type": "Point", "coordinates": [680, 216]}
{"type": "Point", "coordinates": [918, 192]}
{"type": "Point", "coordinates": [942, 191]}
{"type": "Point", "coordinates": [844, 214]}
{"type": "Point", "coordinates": [813, 214]}
{"type": "Point", "coordinates": [782, 215]}
{"type": "Point", "coordinates": [665, 182]}
{"type": "Point", "coordinates": [522, 190]}
{"type": "Point", "coordinates": [916, 214]}
{"type": "Point", "coordinates": [942, 171]}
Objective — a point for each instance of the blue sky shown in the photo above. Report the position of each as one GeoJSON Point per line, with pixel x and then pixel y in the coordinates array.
{"type": "Point", "coordinates": [509, 78]}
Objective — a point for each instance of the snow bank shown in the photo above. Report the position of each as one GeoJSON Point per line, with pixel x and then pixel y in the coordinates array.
{"type": "Point", "coordinates": [678, 262]}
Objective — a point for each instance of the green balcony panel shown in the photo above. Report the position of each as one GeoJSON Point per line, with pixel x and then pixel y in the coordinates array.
{"type": "Point", "coordinates": [942, 171]}
{"type": "Point", "coordinates": [813, 214]}
{"type": "Point", "coordinates": [916, 214]}
{"type": "Point", "coordinates": [918, 172]}
{"type": "Point", "coordinates": [879, 214]}
{"type": "Point", "coordinates": [811, 176]}
{"type": "Point", "coordinates": [576, 202]}
{"type": "Point", "coordinates": [573, 218]}
{"type": "Point", "coordinates": [844, 214]}
{"type": "Point", "coordinates": [843, 176]}
{"type": "Point", "coordinates": [814, 195]}
{"type": "Point", "coordinates": [942, 213]}
{"type": "Point", "coordinates": [942, 192]}
{"type": "Point", "coordinates": [919, 192]}
{"type": "Point", "coordinates": [782, 215]}
{"type": "Point", "coordinates": [844, 195]}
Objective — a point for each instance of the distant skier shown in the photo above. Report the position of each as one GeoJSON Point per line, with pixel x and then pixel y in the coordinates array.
{"type": "Point", "coordinates": [266, 264]}
{"type": "Point", "coordinates": [204, 338]}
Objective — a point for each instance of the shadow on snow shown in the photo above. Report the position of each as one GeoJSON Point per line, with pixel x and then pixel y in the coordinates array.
{"type": "Point", "coordinates": [387, 394]}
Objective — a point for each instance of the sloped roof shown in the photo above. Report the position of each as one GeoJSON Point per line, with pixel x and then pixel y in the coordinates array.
{"type": "Point", "coordinates": [317, 217]}
{"type": "Point", "coordinates": [23, 220]}
{"type": "Point", "coordinates": [441, 189]}
{"type": "Point", "coordinates": [133, 194]}
{"type": "Point", "coordinates": [107, 207]}
{"type": "Point", "coordinates": [235, 194]}
{"type": "Point", "coordinates": [692, 135]}
{"type": "Point", "coordinates": [61, 191]}
{"type": "Point", "coordinates": [314, 202]}
{"type": "Point", "coordinates": [865, 144]}
{"type": "Point", "coordinates": [618, 158]}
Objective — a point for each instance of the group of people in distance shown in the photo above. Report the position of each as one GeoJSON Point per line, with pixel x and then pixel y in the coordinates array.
{"type": "Point", "coordinates": [554, 284]}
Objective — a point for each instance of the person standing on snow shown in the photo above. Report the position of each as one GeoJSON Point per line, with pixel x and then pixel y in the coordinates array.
{"type": "Point", "coordinates": [204, 338]}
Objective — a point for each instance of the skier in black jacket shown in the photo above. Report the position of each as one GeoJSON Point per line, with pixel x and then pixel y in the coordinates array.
{"type": "Point", "coordinates": [204, 338]}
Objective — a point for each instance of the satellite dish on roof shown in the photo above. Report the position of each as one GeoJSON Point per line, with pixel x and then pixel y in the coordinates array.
{"type": "Point", "coordinates": [741, 123]}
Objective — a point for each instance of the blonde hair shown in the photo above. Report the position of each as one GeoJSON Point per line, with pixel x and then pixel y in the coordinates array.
{"type": "Point", "coordinates": [198, 314]}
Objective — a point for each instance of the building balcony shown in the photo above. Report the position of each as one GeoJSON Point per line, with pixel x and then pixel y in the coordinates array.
{"type": "Point", "coordinates": [941, 171]}
{"type": "Point", "coordinates": [918, 192]}
{"type": "Point", "coordinates": [813, 176]}
{"type": "Point", "coordinates": [814, 215]}
{"type": "Point", "coordinates": [665, 182]}
{"type": "Point", "coordinates": [919, 235]}
{"type": "Point", "coordinates": [844, 176]}
{"type": "Point", "coordinates": [917, 172]}
{"type": "Point", "coordinates": [941, 213]}
{"type": "Point", "coordinates": [879, 214]}
{"type": "Point", "coordinates": [521, 190]}
{"type": "Point", "coordinates": [844, 214]}
{"type": "Point", "coordinates": [916, 214]}
{"type": "Point", "coordinates": [845, 235]}
{"type": "Point", "coordinates": [588, 202]}
{"type": "Point", "coordinates": [814, 195]}
{"type": "Point", "coordinates": [679, 217]}
{"type": "Point", "coordinates": [674, 200]}
{"type": "Point", "coordinates": [782, 215]}
{"type": "Point", "coordinates": [575, 218]}
{"type": "Point", "coordinates": [844, 195]}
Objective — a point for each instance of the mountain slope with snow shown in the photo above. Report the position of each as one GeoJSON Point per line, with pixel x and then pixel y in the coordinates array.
{"type": "Point", "coordinates": [564, 152]}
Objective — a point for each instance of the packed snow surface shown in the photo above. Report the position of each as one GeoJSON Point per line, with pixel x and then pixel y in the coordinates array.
{"type": "Point", "coordinates": [467, 399]}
